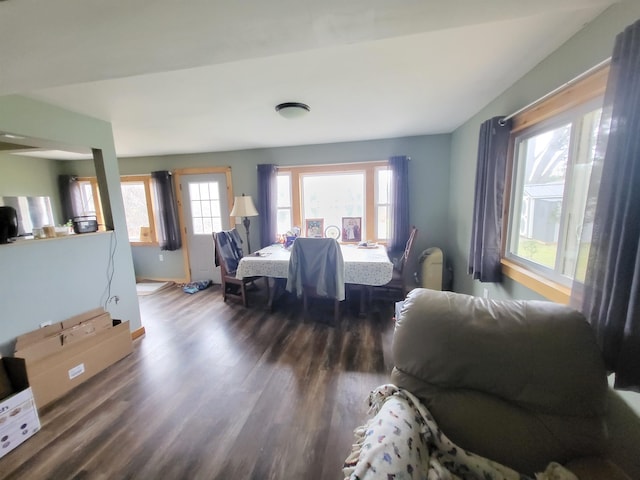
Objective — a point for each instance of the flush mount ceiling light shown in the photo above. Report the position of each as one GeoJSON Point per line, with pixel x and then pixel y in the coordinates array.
{"type": "Point", "coordinates": [11, 135]}
{"type": "Point", "coordinates": [292, 109]}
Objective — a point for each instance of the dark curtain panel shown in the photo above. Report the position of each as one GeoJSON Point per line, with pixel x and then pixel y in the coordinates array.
{"type": "Point", "coordinates": [268, 203]}
{"type": "Point", "coordinates": [70, 196]}
{"type": "Point", "coordinates": [486, 230]}
{"type": "Point", "coordinates": [611, 297]}
{"type": "Point", "coordinates": [399, 196]}
{"type": "Point", "coordinates": [167, 224]}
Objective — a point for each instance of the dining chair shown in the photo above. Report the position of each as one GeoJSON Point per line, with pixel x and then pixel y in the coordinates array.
{"type": "Point", "coordinates": [316, 270]}
{"type": "Point", "coordinates": [397, 286]}
{"type": "Point", "coordinates": [228, 253]}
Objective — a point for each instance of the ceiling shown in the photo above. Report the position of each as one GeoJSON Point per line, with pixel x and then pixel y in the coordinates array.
{"type": "Point", "coordinates": [205, 75]}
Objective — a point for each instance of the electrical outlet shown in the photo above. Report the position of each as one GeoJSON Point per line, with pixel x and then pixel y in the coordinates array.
{"type": "Point", "coordinates": [161, 257]}
{"type": "Point", "coordinates": [45, 324]}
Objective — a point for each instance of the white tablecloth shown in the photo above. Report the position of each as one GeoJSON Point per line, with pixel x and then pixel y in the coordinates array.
{"type": "Point", "coordinates": [363, 266]}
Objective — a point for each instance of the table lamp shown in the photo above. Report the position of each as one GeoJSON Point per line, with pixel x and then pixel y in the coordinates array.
{"type": "Point", "coordinates": [243, 207]}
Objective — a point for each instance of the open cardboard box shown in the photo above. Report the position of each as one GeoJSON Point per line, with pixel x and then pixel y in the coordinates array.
{"type": "Point", "coordinates": [18, 415]}
{"type": "Point", "coordinates": [71, 352]}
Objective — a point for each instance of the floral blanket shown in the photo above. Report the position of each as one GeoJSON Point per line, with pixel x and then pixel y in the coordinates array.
{"type": "Point", "coordinates": [403, 442]}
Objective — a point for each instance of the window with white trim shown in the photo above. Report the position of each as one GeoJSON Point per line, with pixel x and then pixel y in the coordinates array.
{"type": "Point", "coordinates": [552, 152]}
{"type": "Point", "coordinates": [552, 168]}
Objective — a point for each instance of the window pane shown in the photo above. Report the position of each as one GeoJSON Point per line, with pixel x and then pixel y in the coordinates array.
{"type": "Point", "coordinates": [577, 200]}
{"type": "Point", "coordinates": [204, 191]}
{"type": "Point", "coordinates": [284, 220]}
{"type": "Point", "coordinates": [284, 190]}
{"type": "Point", "coordinates": [135, 208]}
{"type": "Point", "coordinates": [333, 196]}
{"type": "Point", "coordinates": [383, 200]}
{"type": "Point", "coordinates": [196, 209]}
{"type": "Point", "coordinates": [206, 209]}
{"type": "Point", "coordinates": [384, 182]}
{"type": "Point", "coordinates": [88, 203]}
{"type": "Point", "coordinates": [207, 224]}
{"type": "Point", "coordinates": [541, 169]}
{"type": "Point", "coordinates": [194, 191]}
{"type": "Point", "coordinates": [198, 228]}
{"type": "Point", "coordinates": [206, 215]}
{"type": "Point", "coordinates": [383, 222]}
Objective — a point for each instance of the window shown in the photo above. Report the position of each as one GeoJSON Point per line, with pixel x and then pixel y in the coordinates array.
{"type": "Point", "coordinates": [285, 213]}
{"type": "Point", "coordinates": [136, 195]}
{"type": "Point", "coordinates": [90, 199]}
{"type": "Point", "coordinates": [552, 167]}
{"type": "Point", "coordinates": [553, 148]}
{"type": "Point", "coordinates": [383, 202]}
{"type": "Point", "coordinates": [332, 192]}
{"type": "Point", "coordinates": [206, 215]}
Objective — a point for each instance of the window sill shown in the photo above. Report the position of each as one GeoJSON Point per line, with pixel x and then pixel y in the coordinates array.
{"type": "Point", "coordinates": [144, 244]}
{"type": "Point", "coordinates": [549, 289]}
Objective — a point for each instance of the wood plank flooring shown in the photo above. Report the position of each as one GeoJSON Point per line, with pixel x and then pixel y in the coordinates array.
{"type": "Point", "coordinates": [214, 390]}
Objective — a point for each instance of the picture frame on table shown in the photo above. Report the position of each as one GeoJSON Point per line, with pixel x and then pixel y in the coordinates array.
{"type": "Point", "coordinates": [351, 229]}
{"type": "Point", "coordinates": [314, 227]}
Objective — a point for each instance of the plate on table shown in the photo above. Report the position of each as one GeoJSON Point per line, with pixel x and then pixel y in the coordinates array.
{"type": "Point", "coordinates": [332, 231]}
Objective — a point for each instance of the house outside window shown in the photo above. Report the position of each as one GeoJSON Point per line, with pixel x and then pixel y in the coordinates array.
{"type": "Point", "coordinates": [552, 168]}
{"type": "Point", "coordinates": [553, 148]}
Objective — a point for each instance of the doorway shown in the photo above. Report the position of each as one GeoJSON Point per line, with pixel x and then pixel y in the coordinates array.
{"type": "Point", "coordinates": [204, 208]}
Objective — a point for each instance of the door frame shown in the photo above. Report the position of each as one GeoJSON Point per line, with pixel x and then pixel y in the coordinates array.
{"type": "Point", "coordinates": [177, 177]}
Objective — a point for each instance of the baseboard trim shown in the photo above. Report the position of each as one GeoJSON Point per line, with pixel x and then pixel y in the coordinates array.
{"type": "Point", "coordinates": [159, 279]}
{"type": "Point", "coordinates": [137, 333]}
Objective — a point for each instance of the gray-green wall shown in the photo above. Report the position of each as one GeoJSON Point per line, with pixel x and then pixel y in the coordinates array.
{"type": "Point", "coordinates": [587, 48]}
{"type": "Point", "coordinates": [428, 168]}
{"type": "Point", "coordinates": [442, 173]}
{"type": "Point", "coordinates": [31, 177]}
{"type": "Point", "coordinates": [51, 280]}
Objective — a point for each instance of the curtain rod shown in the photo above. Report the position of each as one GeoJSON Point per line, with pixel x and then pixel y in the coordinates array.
{"type": "Point", "coordinates": [584, 74]}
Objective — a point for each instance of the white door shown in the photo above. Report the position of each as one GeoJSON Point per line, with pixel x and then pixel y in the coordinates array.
{"type": "Point", "coordinates": [206, 210]}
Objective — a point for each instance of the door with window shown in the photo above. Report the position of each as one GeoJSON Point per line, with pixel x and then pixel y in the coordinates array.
{"type": "Point", "coordinates": [205, 210]}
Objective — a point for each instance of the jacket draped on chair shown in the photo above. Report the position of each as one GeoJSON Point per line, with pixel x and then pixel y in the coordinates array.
{"type": "Point", "coordinates": [319, 262]}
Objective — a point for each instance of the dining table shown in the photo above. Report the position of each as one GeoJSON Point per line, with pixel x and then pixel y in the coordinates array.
{"type": "Point", "coordinates": [364, 265]}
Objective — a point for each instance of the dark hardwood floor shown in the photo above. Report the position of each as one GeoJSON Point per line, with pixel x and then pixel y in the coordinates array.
{"type": "Point", "coordinates": [214, 390]}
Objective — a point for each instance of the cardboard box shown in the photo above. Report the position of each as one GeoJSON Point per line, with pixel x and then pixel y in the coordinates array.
{"type": "Point", "coordinates": [83, 317]}
{"type": "Point", "coordinates": [18, 415]}
{"type": "Point", "coordinates": [34, 347]}
{"type": "Point", "coordinates": [85, 329]}
{"type": "Point", "coordinates": [66, 365]}
{"type": "Point", "coordinates": [55, 329]}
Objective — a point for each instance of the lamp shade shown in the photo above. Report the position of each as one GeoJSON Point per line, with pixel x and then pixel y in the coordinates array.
{"type": "Point", "coordinates": [243, 207]}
